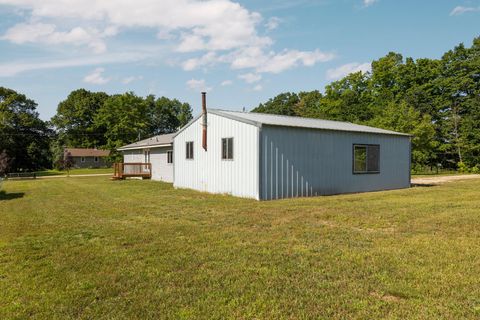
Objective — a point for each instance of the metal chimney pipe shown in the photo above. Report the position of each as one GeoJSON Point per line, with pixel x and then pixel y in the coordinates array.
{"type": "Point", "coordinates": [204, 124]}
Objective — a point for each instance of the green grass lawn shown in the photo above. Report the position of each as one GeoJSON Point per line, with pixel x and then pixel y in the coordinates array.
{"type": "Point", "coordinates": [92, 248]}
{"type": "Point", "coordinates": [54, 172]}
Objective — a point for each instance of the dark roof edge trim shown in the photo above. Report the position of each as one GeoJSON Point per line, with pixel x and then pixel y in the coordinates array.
{"type": "Point", "coordinates": [145, 147]}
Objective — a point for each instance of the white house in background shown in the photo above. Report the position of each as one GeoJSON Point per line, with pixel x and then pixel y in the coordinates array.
{"type": "Point", "coordinates": [265, 157]}
{"type": "Point", "coordinates": [157, 150]}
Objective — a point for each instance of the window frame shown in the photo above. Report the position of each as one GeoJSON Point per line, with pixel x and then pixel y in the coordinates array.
{"type": "Point", "coordinates": [96, 159]}
{"type": "Point", "coordinates": [170, 157]}
{"type": "Point", "coordinates": [189, 155]}
{"type": "Point", "coordinates": [232, 147]}
{"type": "Point", "coordinates": [366, 158]}
{"type": "Point", "coordinates": [82, 159]}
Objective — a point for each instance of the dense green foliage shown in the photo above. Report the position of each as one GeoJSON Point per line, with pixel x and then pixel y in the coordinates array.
{"type": "Point", "coordinates": [24, 136]}
{"type": "Point", "coordinates": [90, 248]}
{"type": "Point", "coordinates": [83, 120]}
{"type": "Point", "coordinates": [94, 119]}
{"type": "Point", "coordinates": [436, 100]}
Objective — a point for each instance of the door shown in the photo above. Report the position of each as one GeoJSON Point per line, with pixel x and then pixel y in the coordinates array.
{"type": "Point", "coordinates": [146, 154]}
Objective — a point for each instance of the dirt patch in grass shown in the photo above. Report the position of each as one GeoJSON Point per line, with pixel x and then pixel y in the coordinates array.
{"type": "Point", "coordinates": [443, 179]}
{"type": "Point", "coordinates": [385, 297]}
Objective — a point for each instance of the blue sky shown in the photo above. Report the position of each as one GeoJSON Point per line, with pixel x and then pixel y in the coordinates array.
{"type": "Point", "coordinates": [242, 53]}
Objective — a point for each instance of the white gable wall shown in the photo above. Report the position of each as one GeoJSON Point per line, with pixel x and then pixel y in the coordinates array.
{"type": "Point", "coordinates": [161, 170]}
{"type": "Point", "coordinates": [207, 171]}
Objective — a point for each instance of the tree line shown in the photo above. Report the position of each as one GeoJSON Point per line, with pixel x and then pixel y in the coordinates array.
{"type": "Point", "coordinates": [83, 120]}
{"type": "Point", "coordinates": [435, 100]}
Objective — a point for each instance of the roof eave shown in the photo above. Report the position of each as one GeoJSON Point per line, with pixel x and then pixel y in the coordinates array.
{"type": "Point", "coordinates": [144, 147]}
{"type": "Point", "coordinates": [392, 133]}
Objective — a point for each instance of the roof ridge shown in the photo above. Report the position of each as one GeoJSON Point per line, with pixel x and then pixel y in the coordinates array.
{"type": "Point", "coordinates": [287, 116]}
{"type": "Point", "coordinates": [313, 121]}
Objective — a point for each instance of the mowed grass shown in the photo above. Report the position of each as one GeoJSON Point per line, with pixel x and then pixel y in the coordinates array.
{"type": "Point", "coordinates": [55, 172]}
{"type": "Point", "coordinates": [97, 249]}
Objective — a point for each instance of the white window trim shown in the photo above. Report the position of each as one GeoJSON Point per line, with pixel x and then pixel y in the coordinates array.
{"type": "Point", "coordinates": [221, 149]}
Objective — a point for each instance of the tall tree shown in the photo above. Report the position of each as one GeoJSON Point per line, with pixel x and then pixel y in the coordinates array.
{"type": "Point", "coordinates": [125, 118]}
{"type": "Point", "coordinates": [23, 135]}
{"type": "Point", "coordinates": [283, 104]}
{"type": "Point", "coordinates": [436, 100]}
{"type": "Point", "coordinates": [75, 119]}
{"type": "Point", "coordinates": [166, 115]}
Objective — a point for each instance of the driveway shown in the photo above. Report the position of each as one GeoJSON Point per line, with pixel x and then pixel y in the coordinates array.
{"type": "Point", "coordinates": [443, 179]}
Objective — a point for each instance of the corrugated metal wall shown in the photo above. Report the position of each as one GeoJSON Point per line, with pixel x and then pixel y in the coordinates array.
{"type": "Point", "coordinates": [130, 156]}
{"type": "Point", "coordinates": [161, 170]}
{"type": "Point", "coordinates": [298, 162]}
{"type": "Point", "coordinates": [207, 171]}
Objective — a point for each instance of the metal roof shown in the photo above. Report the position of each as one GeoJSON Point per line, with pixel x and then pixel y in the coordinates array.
{"type": "Point", "coordinates": [163, 140]}
{"type": "Point", "coordinates": [259, 119]}
{"type": "Point", "coordinates": [85, 152]}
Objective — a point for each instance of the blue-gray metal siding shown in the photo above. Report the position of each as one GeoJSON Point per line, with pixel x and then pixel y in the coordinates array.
{"type": "Point", "coordinates": [296, 162]}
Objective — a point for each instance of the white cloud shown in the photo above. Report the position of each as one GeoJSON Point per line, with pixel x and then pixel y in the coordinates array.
{"type": "Point", "coordinates": [287, 59]}
{"type": "Point", "coordinates": [258, 87]}
{"type": "Point", "coordinates": [461, 10]}
{"type": "Point", "coordinates": [368, 3]}
{"type": "Point", "coordinates": [198, 85]}
{"type": "Point", "coordinates": [226, 83]}
{"type": "Point", "coordinates": [210, 24]}
{"type": "Point", "coordinates": [207, 59]}
{"type": "Point", "coordinates": [272, 23]}
{"type": "Point", "coordinates": [130, 79]}
{"type": "Point", "coordinates": [250, 77]}
{"type": "Point", "coordinates": [96, 77]}
{"type": "Point", "coordinates": [15, 67]}
{"type": "Point", "coordinates": [210, 31]}
{"type": "Point", "coordinates": [48, 34]}
{"type": "Point", "coordinates": [346, 69]}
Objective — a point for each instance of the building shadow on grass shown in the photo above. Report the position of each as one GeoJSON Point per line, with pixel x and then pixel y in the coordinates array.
{"type": "Point", "coordinates": [423, 185]}
{"type": "Point", "coordinates": [10, 196]}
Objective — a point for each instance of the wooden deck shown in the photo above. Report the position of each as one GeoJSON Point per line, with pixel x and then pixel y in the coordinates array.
{"type": "Point", "coordinates": [130, 170]}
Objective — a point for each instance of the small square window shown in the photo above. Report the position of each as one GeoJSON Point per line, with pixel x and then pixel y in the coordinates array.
{"type": "Point", "coordinates": [366, 158]}
{"type": "Point", "coordinates": [82, 159]}
{"type": "Point", "coordinates": [95, 159]}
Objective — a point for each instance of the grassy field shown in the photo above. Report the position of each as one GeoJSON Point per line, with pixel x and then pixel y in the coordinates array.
{"type": "Point", "coordinates": [91, 248]}
{"type": "Point", "coordinates": [54, 172]}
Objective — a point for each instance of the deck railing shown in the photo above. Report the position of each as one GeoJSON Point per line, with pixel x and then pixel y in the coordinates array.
{"type": "Point", "coordinates": [136, 169]}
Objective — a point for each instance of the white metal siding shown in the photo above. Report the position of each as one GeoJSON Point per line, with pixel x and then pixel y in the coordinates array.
{"type": "Point", "coordinates": [307, 162]}
{"type": "Point", "coordinates": [161, 170]}
{"type": "Point", "coordinates": [133, 156]}
{"type": "Point", "coordinates": [207, 171]}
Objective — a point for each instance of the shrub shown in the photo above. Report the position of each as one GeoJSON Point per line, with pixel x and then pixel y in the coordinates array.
{"type": "Point", "coordinates": [463, 168]}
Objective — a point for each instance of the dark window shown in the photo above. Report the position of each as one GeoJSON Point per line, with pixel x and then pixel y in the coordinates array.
{"type": "Point", "coordinates": [169, 156]}
{"type": "Point", "coordinates": [227, 148]}
{"type": "Point", "coordinates": [189, 150]}
{"type": "Point", "coordinates": [366, 158]}
{"type": "Point", "coordinates": [82, 159]}
{"type": "Point", "coordinates": [95, 159]}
